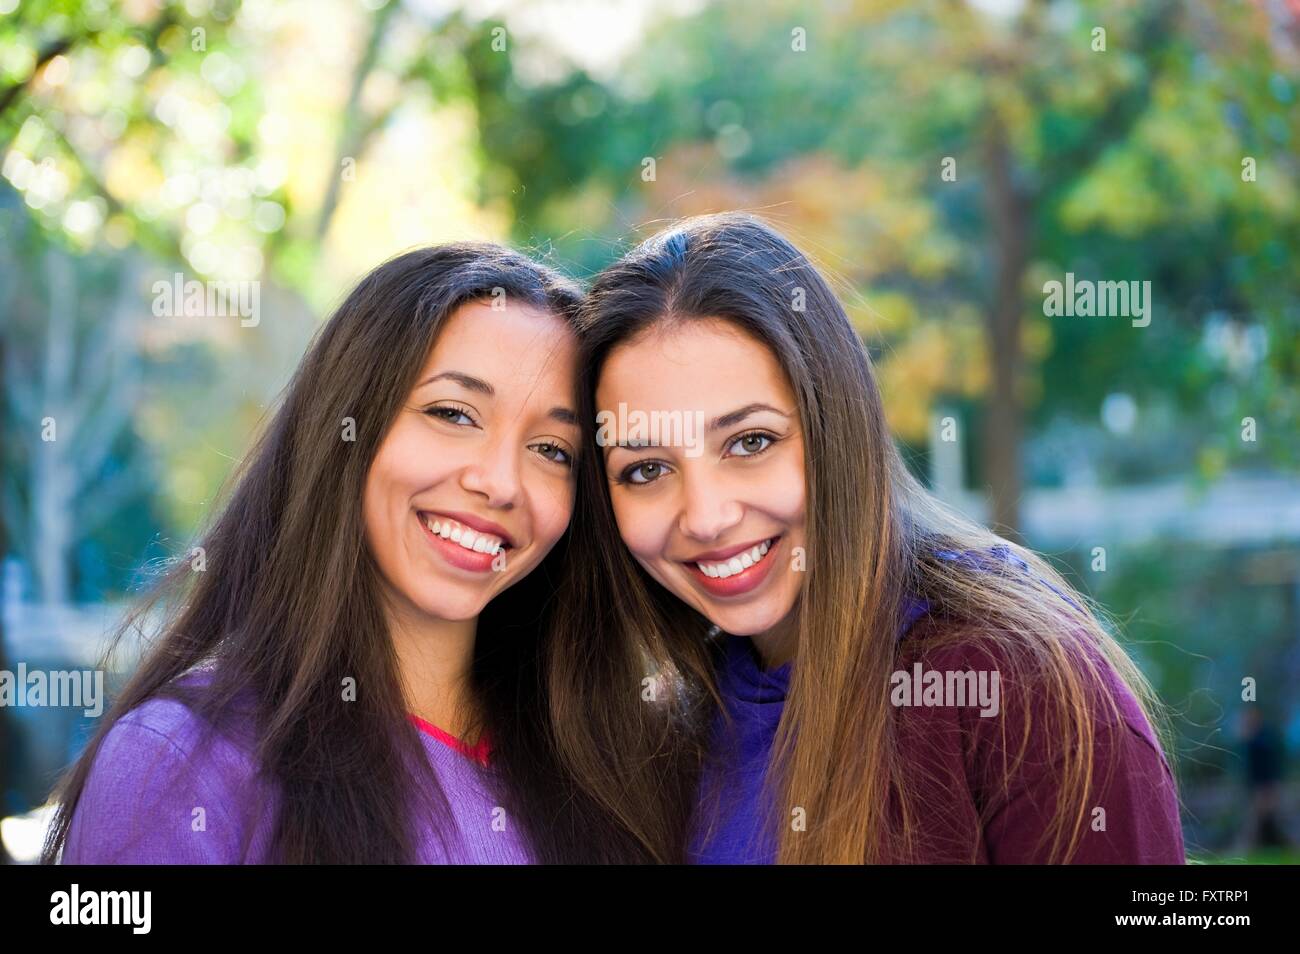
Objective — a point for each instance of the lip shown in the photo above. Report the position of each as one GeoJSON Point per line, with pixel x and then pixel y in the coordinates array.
{"type": "Point", "coordinates": [717, 556]}
{"type": "Point", "coordinates": [740, 583]}
{"type": "Point", "coordinates": [477, 524]}
{"type": "Point", "coordinates": [455, 554]}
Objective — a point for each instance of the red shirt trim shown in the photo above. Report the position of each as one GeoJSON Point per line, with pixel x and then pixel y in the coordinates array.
{"type": "Point", "coordinates": [478, 753]}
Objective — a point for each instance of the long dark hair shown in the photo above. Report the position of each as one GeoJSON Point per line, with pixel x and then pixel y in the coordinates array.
{"type": "Point", "coordinates": [288, 606]}
{"type": "Point", "coordinates": [839, 748]}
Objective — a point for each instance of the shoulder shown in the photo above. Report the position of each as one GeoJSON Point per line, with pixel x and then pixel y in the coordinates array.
{"type": "Point", "coordinates": [1072, 678]}
{"type": "Point", "coordinates": [163, 788]}
{"type": "Point", "coordinates": [173, 729]}
{"type": "Point", "coordinates": [1054, 730]}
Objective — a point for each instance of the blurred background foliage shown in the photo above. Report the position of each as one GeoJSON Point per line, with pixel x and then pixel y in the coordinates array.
{"type": "Point", "coordinates": [940, 159]}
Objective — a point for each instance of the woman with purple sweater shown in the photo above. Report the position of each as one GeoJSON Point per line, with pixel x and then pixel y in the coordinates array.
{"type": "Point", "coordinates": [341, 675]}
{"type": "Point", "coordinates": [882, 679]}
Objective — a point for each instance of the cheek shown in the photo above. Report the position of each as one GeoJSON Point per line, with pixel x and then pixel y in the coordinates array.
{"type": "Point", "coordinates": [375, 505]}
{"type": "Point", "coordinates": [551, 503]}
{"type": "Point", "coordinates": [644, 529]}
{"type": "Point", "coordinates": [792, 507]}
{"type": "Point", "coordinates": [380, 510]}
{"type": "Point", "coordinates": [406, 465]}
{"type": "Point", "coordinates": [784, 490]}
{"type": "Point", "coordinates": [394, 476]}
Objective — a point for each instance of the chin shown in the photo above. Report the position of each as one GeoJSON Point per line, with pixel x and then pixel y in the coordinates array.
{"type": "Point", "coordinates": [442, 604]}
{"type": "Point", "coordinates": [748, 621]}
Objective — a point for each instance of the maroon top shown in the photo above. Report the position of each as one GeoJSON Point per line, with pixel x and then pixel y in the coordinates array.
{"type": "Point", "coordinates": [1132, 807]}
{"type": "Point", "coordinates": [969, 811]}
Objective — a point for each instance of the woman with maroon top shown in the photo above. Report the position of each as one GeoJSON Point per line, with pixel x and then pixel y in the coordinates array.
{"type": "Point", "coordinates": [849, 671]}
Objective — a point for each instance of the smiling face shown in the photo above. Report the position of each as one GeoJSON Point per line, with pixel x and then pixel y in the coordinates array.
{"type": "Point", "coordinates": [717, 520]}
{"type": "Point", "coordinates": [473, 483]}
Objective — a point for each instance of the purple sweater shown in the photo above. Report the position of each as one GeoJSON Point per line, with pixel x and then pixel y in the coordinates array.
{"type": "Point", "coordinates": [958, 755]}
{"type": "Point", "coordinates": [151, 774]}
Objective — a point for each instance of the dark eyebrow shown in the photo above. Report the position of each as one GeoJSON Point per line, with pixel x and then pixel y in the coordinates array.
{"type": "Point", "coordinates": [464, 380]}
{"type": "Point", "coordinates": [726, 420]}
{"type": "Point", "coordinates": [735, 417]}
{"type": "Point", "coordinates": [562, 414]}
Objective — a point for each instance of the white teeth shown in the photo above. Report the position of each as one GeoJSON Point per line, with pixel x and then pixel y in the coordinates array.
{"type": "Point", "coordinates": [737, 564]}
{"type": "Point", "coordinates": [467, 538]}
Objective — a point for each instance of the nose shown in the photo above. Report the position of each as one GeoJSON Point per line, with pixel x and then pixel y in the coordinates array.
{"type": "Point", "coordinates": [709, 508]}
{"type": "Point", "coordinates": [494, 475]}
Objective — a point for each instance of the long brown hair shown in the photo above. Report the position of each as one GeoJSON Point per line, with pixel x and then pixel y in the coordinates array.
{"type": "Point", "coordinates": [837, 752]}
{"type": "Point", "coordinates": [288, 606]}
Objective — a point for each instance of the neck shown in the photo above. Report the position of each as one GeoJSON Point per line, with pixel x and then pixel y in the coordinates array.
{"type": "Point", "coordinates": [778, 645]}
{"type": "Point", "coordinates": [434, 661]}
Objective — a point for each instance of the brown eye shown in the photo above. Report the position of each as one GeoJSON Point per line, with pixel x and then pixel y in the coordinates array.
{"type": "Point", "coordinates": [649, 471]}
{"type": "Point", "coordinates": [553, 452]}
{"type": "Point", "coordinates": [752, 444]}
{"type": "Point", "coordinates": [451, 414]}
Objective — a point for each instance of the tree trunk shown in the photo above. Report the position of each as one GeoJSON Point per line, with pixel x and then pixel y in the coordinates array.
{"type": "Point", "coordinates": [51, 477]}
{"type": "Point", "coordinates": [8, 768]}
{"type": "Point", "coordinates": [1008, 210]}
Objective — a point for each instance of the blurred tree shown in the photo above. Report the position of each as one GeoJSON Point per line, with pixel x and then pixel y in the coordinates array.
{"type": "Point", "coordinates": [951, 157]}
{"type": "Point", "coordinates": [8, 763]}
{"type": "Point", "coordinates": [73, 365]}
{"type": "Point", "coordinates": [136, 127]}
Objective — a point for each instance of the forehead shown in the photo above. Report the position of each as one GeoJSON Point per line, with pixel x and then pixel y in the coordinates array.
{"type": "Point", "coordinates": [514, 344]}
{"type": "Point", "coordinates": [698, 363]}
